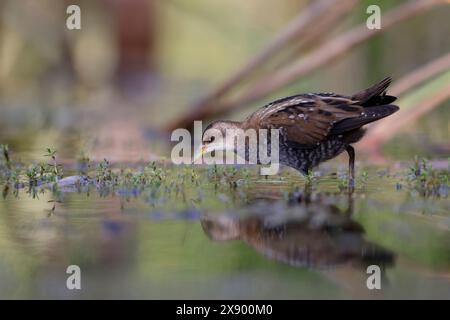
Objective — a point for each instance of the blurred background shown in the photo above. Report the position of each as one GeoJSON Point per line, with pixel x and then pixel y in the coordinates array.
{"type": "Point", "coordinates": [136, 68]}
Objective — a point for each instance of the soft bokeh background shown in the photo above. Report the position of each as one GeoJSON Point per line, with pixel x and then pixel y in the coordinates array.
{"type": "Point", "coordinates": [137, 65]}
{"type": "Point", "coordinates": [111, 89]}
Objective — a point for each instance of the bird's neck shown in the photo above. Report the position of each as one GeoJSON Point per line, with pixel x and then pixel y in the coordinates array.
{"type": "Point", "coordinates": [234, 124]}
{"type": "Point", "coordinates": [228, 124]}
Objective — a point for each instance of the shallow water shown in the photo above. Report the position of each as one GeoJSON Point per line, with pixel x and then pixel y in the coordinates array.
{"type": "Point", "coordinates": [232, 234]}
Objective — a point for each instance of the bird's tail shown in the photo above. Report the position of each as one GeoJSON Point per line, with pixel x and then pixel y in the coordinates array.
{"type": "Point", "coordinates": [370, 114]}
{"type": "Point", "coordinates": [375, 95]}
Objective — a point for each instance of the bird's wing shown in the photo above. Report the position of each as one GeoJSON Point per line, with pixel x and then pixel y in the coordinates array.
{"type": "Point", "coordinates": [307, 118]}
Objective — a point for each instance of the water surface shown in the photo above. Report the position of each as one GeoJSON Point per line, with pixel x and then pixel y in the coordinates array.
{"type": "Point", "coordinates": [228, 234]}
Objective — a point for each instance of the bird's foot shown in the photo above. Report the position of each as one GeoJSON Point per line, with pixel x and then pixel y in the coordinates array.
{"type": "Point", "coordinates": [351, 185]}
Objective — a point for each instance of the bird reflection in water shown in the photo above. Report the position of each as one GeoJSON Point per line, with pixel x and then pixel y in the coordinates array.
{"type": "Point", "coordinates": [309, 231]}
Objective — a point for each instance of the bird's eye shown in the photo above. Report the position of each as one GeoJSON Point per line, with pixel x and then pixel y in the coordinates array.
{"type": "Point", "coordinates": [208, 139]}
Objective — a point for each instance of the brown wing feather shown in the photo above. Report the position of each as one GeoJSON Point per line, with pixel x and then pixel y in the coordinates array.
{"type": "Point", "coordinates": [307, 119]}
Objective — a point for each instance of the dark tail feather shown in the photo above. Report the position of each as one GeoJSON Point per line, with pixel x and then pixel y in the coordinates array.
{"type": "Point", "coordinates": [370, 115]}
{"type": "Point", "coordinates": [379, 100]}
{"type": "Point", "coordinates": [375, 95]}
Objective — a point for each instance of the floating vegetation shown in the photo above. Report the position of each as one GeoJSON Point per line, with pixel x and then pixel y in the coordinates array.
{"type": "Point", "coordinates": [161, 183]}
{"type": "Point", "coordinates": [5, 154]}
{"type": "Point", "coordinates": [423, 179]}
{"type": "Point", "coordinates": [156, 183]}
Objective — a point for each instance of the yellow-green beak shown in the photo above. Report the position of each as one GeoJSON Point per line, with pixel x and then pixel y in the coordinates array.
{"type": "Point", "coordinates": [199, 154]}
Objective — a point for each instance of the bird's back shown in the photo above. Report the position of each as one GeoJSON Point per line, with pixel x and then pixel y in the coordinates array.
{"type": "Point", "coordinates": [316, 127]}
{"type": "Point", "coordinates": [310, 118]}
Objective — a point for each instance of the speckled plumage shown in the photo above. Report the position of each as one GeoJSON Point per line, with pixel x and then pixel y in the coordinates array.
{"type": "Point", "coordinates": [305, 159]}
{"type": "Point", "coordinates": [315, 127]}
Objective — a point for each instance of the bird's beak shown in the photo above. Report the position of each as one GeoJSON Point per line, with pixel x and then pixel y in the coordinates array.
{"type": "Point", "coordinates": [206, 149]}
{"type": "Point", "coordinates": [199, 153]}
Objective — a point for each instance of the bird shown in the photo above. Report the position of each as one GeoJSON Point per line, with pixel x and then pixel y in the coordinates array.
{"type": "Point", "coordinates": [313, 127]}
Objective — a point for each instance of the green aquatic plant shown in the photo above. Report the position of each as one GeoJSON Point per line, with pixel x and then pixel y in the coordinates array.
{"type": "Point", "coordinates": [154, 174]}
{"type": "Point", "coordinates": [231, 176]}
{"type": "Point", "coordinates": [5, 164]}
{"type": "Point", "coordinates": [14, 177]}
{"type": "Point", "coordinates": [4, 149]}
{"type": "Point", "coordinates": [364, 176]}
{"type": "Point", "coordinates": [309, 176]}
{"type": "Point", "coordinates": [41, 173]}
{"type": "Point", "coordinates": [214, 175]}
{"type": "Point", "coordinates": [104, 176]}
{"type": "Point", "coordinates": [362, 180]}
{"type": "Point", "coordinates": [51, 153]}
{"type": "Point", "coordinates": [159, 183]}
{"type": "Point", "coordinates": [194, 177]}
{"type": "Point", "coordinates": [83, 164]}
{"type": "Point", "coordinates": [311, 179]}
{"type": "Point", "coordinates": [149, 175]}
{"type": "Point", "coordinates": [342, 182]}
{"type": "Point", "coordinates": [426, 180]}
{"type": "Point", "coordinates": [53, 171]}
{"type": "Point", "coordinates": [32, 174]}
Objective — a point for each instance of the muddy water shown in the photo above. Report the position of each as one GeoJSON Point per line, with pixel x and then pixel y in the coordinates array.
{"type": "Point", "coordinates": [229, 235]}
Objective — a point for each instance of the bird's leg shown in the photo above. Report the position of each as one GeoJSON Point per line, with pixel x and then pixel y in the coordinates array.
{"type": "Point", "coordinates": [351, 202]}
{"type": "Point", "coordinates": [351, 167]}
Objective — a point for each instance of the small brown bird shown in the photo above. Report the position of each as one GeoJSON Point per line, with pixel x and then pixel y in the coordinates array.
{"type": "Point", "coordinates": [314, 127]}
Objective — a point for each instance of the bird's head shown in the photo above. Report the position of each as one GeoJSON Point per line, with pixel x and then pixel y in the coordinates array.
{"type": "Point", "coordinates": [214, 138]}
